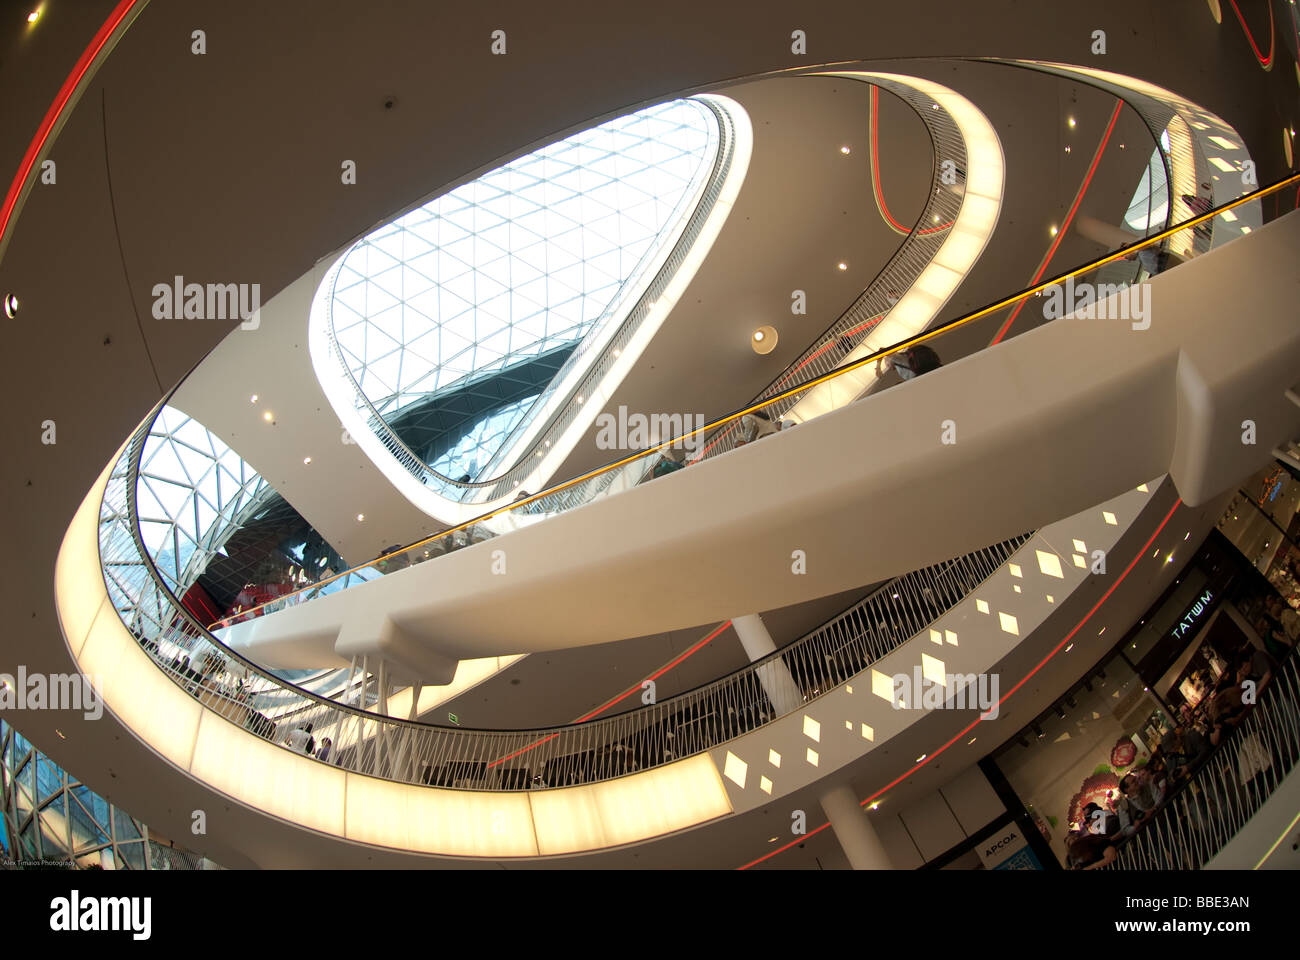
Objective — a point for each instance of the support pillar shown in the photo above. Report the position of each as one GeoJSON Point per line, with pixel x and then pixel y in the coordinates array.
{"type": "Point", "coordinates": [775, 676]}
{"type": "Point", "coordinates": [854, 830]}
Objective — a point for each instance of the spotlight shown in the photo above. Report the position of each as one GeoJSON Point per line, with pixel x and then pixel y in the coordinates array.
{"type": "Point", "coordinates": [1038, 731]}
{"type": "Point", "coordinates": [1060, 711]}
{"type": "Point", "coordinates": [764, 340]}
{"type": "Point", "coordinates": [34, 16]}
{"type": "Point", "coordinates": [11, 306]}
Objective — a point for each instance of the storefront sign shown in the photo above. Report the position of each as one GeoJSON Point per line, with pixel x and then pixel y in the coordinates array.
{"type": "Point", "coordinates": [1007, 850]}
{"type": "Point", "coordinates": [1193, 615]}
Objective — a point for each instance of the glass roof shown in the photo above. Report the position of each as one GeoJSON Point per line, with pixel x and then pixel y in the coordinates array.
{"type": "Point", "coordinates": [190, 490]}
{"type": "Point", "coordinates": [529, 257]}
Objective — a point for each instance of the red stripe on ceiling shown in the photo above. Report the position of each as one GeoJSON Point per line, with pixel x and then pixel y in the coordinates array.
{"type": "Point", "coordinates": [657, 674]}
{"type": "Point", "coordinates": [930, 756]}
{"type": "Point", "coordinates": [56, 110]}
{"type": "Point", "coordinates": [1060, 234]}
{"type": "Point", "coordinates": [699, 645]}
{"type": "Point", "coordinates": [1265, 62]}
{"type": "Point", "coordinates": [875, 173]}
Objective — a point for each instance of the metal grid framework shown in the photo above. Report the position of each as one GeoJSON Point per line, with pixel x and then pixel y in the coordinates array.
{"type": "Point", "coordinates": [1229, 788]}
{"type": "Point", "coordinates": [190, 495]}
{"type": "Point", "coordinates": [52, 818]}
{"type": "Point", "coordinates": [407, 751]}
{"type": "Point", "coordinates": [534, 255]}
{"type": "Point", "coordinates": [593, 357]}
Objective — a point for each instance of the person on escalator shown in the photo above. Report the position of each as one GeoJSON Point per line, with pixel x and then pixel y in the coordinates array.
{"type": "Point", "coordinates": [670, 460]}
{"type": "Point", "coordinates": [910, 362]}
{"type": "Point", "coordinates": [756, 426]}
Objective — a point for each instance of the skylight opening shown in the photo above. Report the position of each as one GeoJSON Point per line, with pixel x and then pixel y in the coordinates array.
{"type": "Point", "coordinates": [466, 292]}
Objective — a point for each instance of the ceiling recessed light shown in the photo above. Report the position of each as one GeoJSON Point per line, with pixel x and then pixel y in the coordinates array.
{"type": "Point", "coordinates": [842, 265]}
{"type": "Point", "coordinates": [1052, 230]}
{"type": "Point", "coordinates": [764, 339]}
{"type": "Point", "coordinates": [268, 416]}
{"type": "Point", "coordinates": [306, 460]}
{"type": "Point", "coordinates": [60, 733]}
{"type": "Point", "coordinates": [11, 306]}
{"type": "Point", "coordinates": [361, 517]}
{"type": "Point", "coordinates": [580, 398]}
{"type": "Point", "coordinates": [921, 757]}
{"type": "Point", "coordinates": [618, 352]}
{"type": "Point", "coordinates": [32, 18]}
{"type": "Point", "coordinates": [1070, 121]}
{"type": "Point", "coordinates": [253, 399]}
{"type": "Point", "coordinates": [845, 150]}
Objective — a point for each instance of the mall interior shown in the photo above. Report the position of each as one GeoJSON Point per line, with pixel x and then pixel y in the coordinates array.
{"type": "Point", "coordinates": [857, 436]}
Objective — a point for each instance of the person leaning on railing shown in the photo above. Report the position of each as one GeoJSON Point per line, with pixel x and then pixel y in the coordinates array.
{"type": "Point", "coordinates": [1184, 749]}
{"type": "Point", "coordinates": [1093, 846]}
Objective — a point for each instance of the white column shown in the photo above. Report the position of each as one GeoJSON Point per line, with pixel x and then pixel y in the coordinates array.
{"type": "Point", "coordinates": [774, 676]}
{"type": "Point", "coordinates": [854, 830]}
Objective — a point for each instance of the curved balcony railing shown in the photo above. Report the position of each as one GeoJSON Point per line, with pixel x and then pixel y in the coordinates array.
{"type": "Point", "coordinates": [1198, 820]}
{"type": "Point", "coordinates": [366, 742]}
{"type": "Point", "coordinates": [838, 386]}
{"type": "Point", "coordinates": [508, 482]}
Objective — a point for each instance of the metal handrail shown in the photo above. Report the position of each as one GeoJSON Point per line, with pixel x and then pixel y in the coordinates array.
{"type": "Point", "coordinates": [914, 254]}
{"type": "Point", "coordinates": [414, 752]}
{"type": "Point", "coordinates": [409, 751]}
{"type": "Point", "coordinates": [639, 465]}
{"type": "Point", "coordinates": [1230, 787]}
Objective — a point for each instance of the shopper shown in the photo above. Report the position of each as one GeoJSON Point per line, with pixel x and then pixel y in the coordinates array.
{"type": "Point", "coordinates": [1185, 750]}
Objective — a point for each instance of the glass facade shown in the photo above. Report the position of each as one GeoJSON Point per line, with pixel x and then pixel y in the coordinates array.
{"type": "Point", "coordinates": [531, 258]}
{"type": "Point", "coordinates": [51, 821]}
{"type": "Point", "coordinates": [206, 518]}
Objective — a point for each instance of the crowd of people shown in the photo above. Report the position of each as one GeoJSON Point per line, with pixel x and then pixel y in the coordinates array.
{"type": "Point", "coordinates": [1183, 751]}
